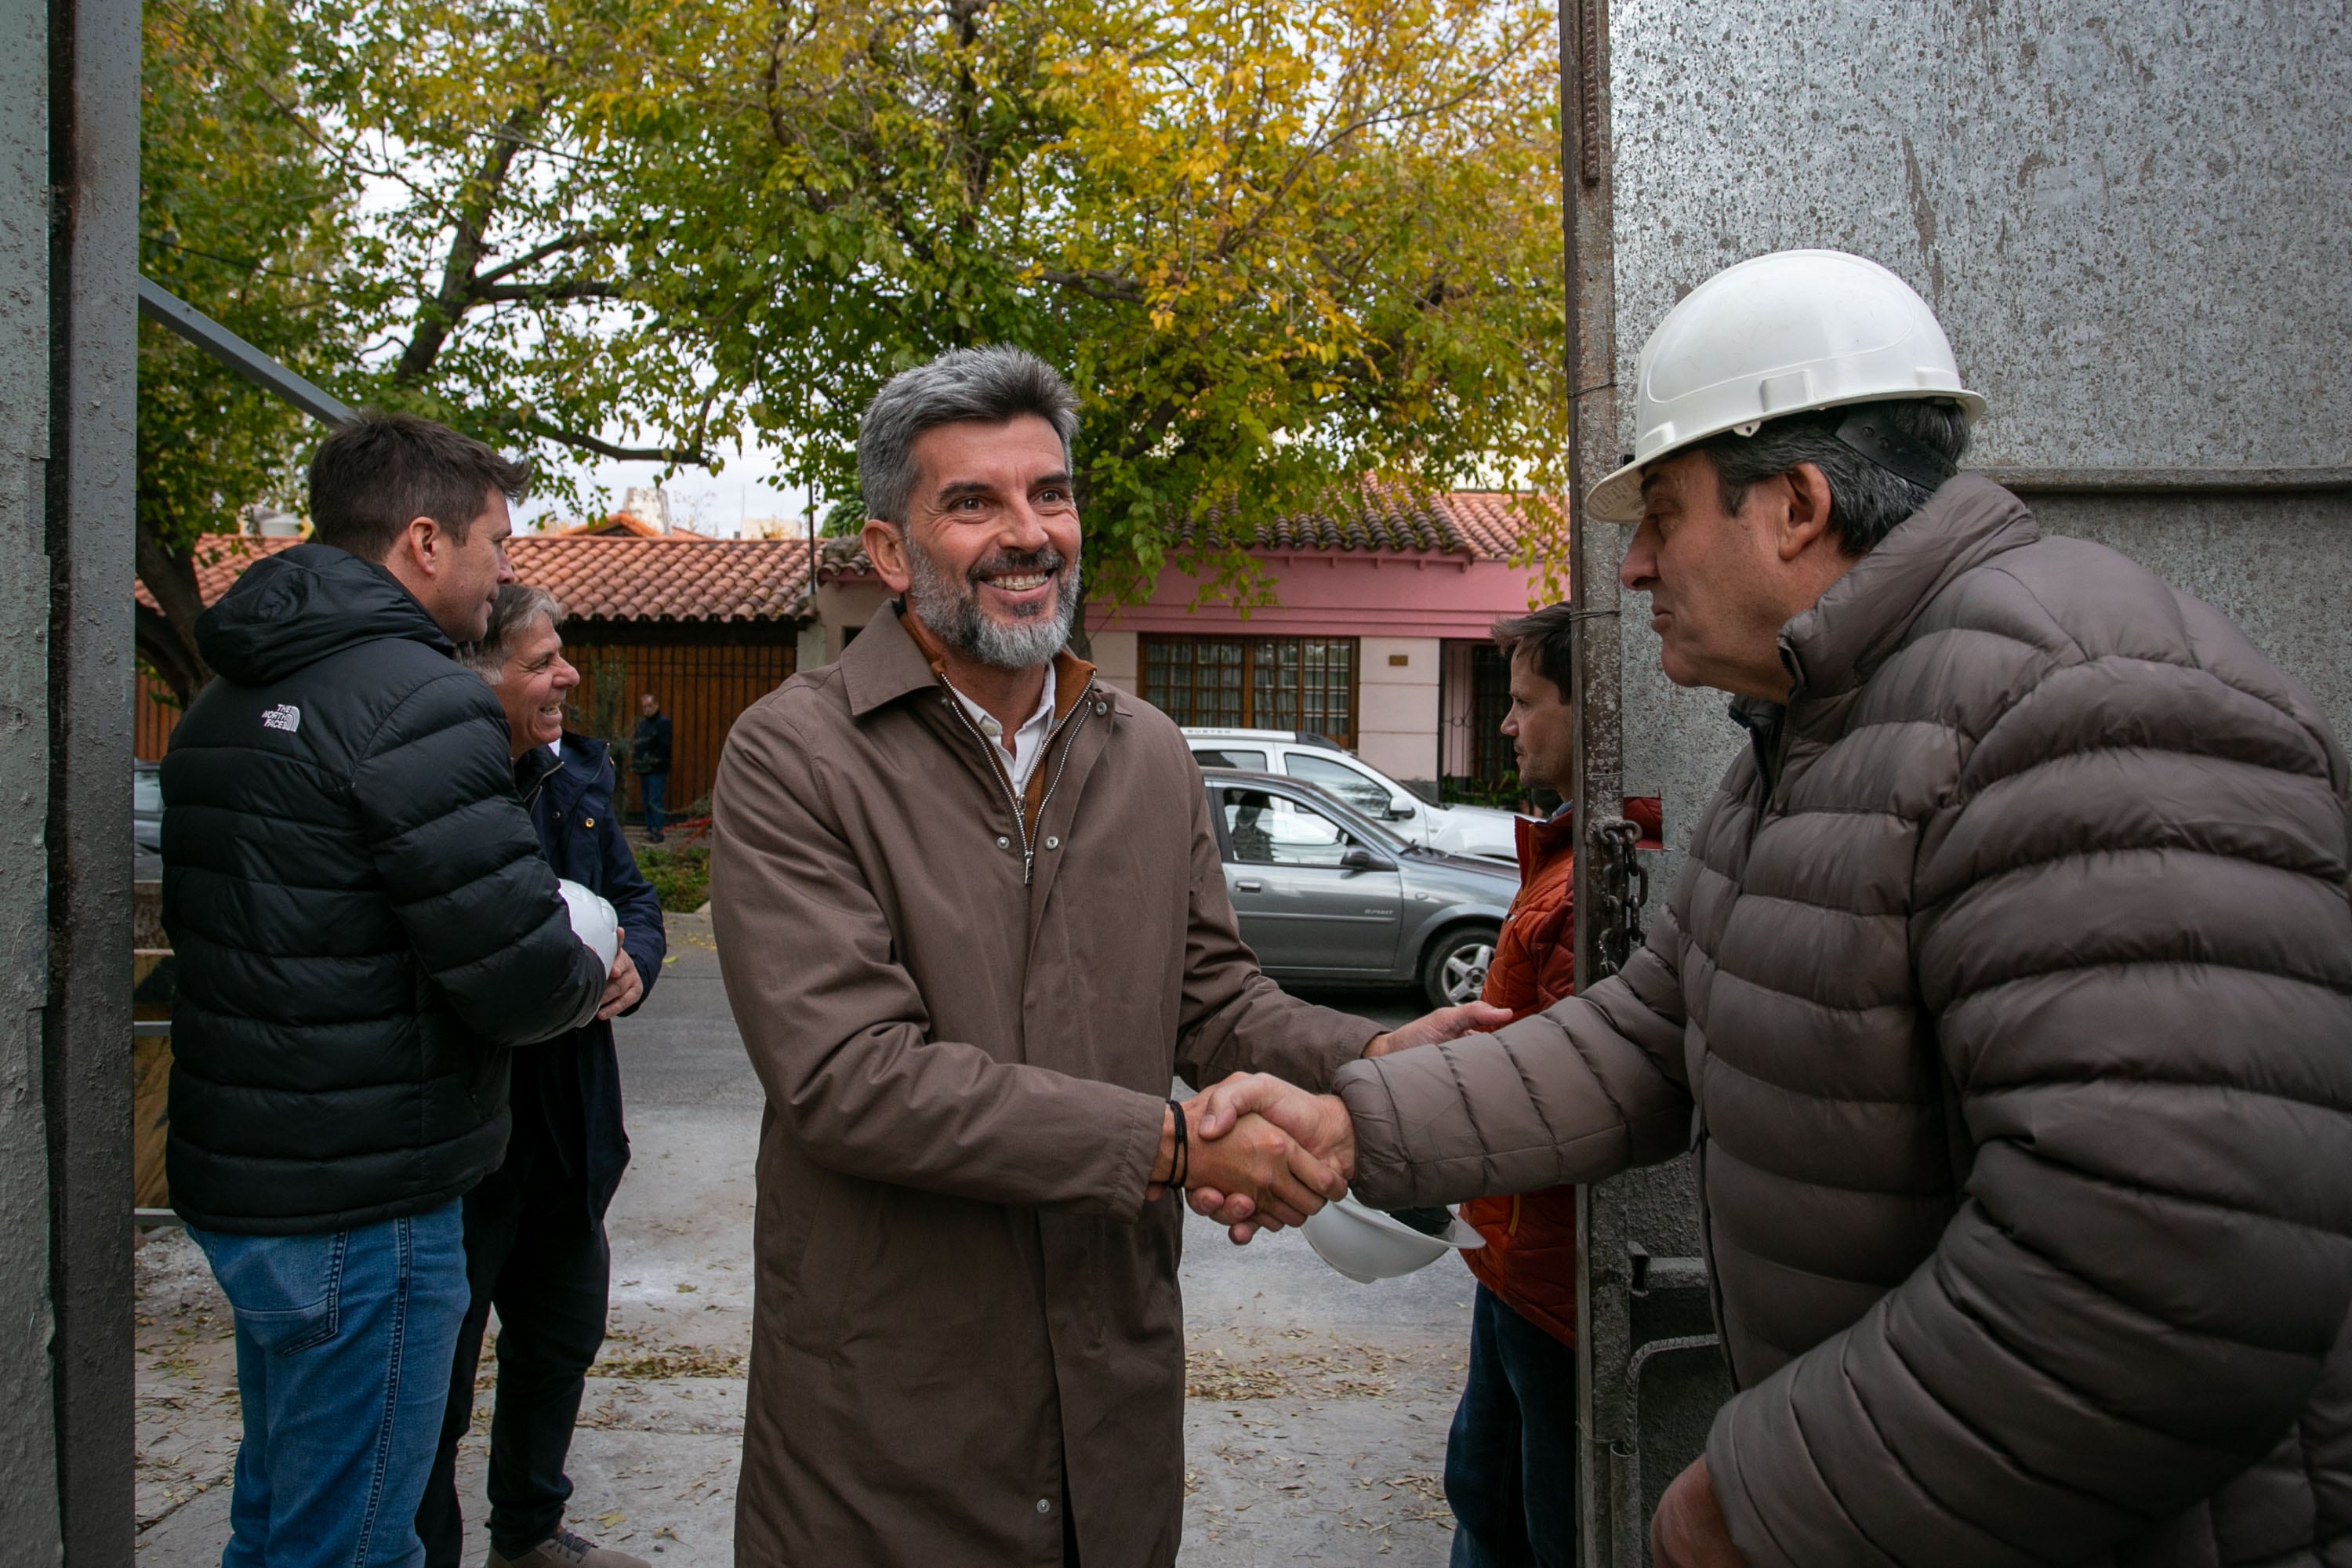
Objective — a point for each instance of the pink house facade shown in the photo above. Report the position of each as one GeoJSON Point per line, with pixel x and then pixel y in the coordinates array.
{"type": "Point", "coordinates": [1377, 637]}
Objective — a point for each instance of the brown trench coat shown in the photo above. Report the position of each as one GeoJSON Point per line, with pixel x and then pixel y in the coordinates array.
{"type": "Point", "coordinates": [959, 1289]}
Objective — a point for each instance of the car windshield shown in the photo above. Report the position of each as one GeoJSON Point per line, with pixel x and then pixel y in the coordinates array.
{"type": "Point", "coordinates": [1274, 830]}
{"type": "Point", "coordinates": [1355, 829]}
{"type": "Point", "coordinates": [146, 793]}
{"type": "Point", "coordinates": [1365, 793]}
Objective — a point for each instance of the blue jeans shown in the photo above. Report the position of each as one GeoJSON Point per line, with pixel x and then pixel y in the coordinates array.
{"type": "Point", "coordinates": [1510, 1459]}
{"type": "Point", "coordinates": [656, 789]}
{"type": "Point", "coordinates": [344, 1343]}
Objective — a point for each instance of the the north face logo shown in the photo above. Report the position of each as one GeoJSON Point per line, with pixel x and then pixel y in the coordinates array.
{"type": "Point", "coordinates": [285, 716]}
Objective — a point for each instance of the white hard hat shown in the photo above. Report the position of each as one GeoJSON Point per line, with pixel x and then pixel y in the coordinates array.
{"type": "Point", "coordinates": [593, 921]}
{"type": "Point", "coordinates": [1777, 334]}
{"type": "Point", "coordinates": [1366, 1245]}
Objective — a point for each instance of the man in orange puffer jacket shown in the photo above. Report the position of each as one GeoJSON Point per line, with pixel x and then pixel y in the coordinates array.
{"type": "Point", "coordinates": [1510, 1459]}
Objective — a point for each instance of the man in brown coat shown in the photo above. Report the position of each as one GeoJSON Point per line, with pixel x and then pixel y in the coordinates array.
{"type": "Point", "coordinates": [972, 916]}
{"type": "Point", "coordinates": [2005, 1002]}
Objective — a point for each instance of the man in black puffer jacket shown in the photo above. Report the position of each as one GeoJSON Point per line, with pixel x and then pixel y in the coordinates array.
{"type": "Point", "coordinates": [364, 924]}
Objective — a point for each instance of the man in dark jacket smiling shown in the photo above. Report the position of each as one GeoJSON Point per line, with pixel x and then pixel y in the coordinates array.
{"type": "Point", "coordinates": [364, 923]}
{"type": "Point", "coordinates": [535, 1229]}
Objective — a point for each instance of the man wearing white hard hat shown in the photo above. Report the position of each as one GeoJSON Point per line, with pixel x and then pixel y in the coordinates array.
{"type": "Point", "coordinates": [2005, 1002]}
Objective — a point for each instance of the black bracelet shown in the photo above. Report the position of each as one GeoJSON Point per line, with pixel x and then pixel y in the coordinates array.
{"type": "Point", "coordinates": [1179, 1159]}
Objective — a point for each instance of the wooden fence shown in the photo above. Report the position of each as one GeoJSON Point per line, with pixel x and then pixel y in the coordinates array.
{"type": "Point", "coordinates": [703, 685]}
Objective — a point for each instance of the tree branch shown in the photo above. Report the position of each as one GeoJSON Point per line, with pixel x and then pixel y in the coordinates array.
{"type": "Point", "coordinates": [1110, 288]}
{"type": "Point", "coordinates": [441, 313]}
{"type": "Point", "coordinates": [686, 457]}
{"type": "Point", "coordinates": [540, 253]}
{"type": "Point", "coordinates": [540, 293]}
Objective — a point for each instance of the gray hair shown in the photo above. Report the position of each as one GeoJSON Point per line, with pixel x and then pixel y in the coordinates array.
{"type": "Point", "coordinates": [517, 605]}
{"type": "Point", "coordinates": [1866, 501]}
{"type": "Point", "coordinates": [983, 387]}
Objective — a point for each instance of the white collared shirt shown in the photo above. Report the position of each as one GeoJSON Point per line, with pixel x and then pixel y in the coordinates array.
{"type": "Point", "coordinates": [1028, 741]}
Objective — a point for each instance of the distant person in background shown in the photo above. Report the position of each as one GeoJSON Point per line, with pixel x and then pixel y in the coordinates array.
{"type": "Point", "coordinates": [535, 1243]}
{"type": "Point", "coordinates": [649, 759]}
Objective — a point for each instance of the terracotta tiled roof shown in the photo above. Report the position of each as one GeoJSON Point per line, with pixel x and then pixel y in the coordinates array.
{"type": "Point", "coordinates": [602, 578]}
{"type": "Point", "coordinates": [221, 560]}
{"type": "Point", "coordinates": [622, 523]}
{"type": "Point", "coordinates": [666, 579]}
{"type": "Point", "coordinates": [1488, 524]}
{"type": "Point", "coordinates": [1492, 522]}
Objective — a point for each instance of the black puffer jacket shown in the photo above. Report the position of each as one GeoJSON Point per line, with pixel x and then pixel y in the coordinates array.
{"type": "Point", "coordinates": [364, 919]}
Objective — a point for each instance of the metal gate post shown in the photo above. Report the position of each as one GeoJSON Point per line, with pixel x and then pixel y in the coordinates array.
{"type": "Point", "coordinates": [90, 496]}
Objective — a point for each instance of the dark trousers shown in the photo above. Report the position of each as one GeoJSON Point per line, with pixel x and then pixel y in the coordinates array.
{"type": "Point", "coordinates": [1510, 1459]}
{"type": "Point", "coordinates": [655, 789]}
{"type": "Point", "coordinates": [533, 1251]}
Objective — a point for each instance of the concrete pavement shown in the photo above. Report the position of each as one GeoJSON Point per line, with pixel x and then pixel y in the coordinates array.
{"type": "Point", "coordinates": [1316, 1426]}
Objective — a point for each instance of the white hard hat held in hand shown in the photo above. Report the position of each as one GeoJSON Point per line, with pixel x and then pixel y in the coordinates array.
{"type": "Point", "coordinates": [1779, 334]}
{"type": "Point", "coordinates": [593, 921]}
{"type": "Point", "coordinates": [1366, 1245]}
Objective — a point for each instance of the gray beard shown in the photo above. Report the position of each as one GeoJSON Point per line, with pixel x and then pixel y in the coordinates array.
{"type": "Point", "coordinates": [951, 610]}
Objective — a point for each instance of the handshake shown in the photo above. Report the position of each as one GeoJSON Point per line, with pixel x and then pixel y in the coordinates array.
{"type": "Point", "coordinates": [1258, 1153]}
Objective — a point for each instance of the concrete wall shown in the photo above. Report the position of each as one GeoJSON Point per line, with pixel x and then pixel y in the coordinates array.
{"type": "Point", "coordinates": [842, 608]}
{"type": "Point", "coordinates": [2130, 221]}
{"type": "Point", "coordinates": [1338, 594]}
{"type": "Point", "coordinates": [1117, 660]}
{"type": "Point", "coordinates": [1396, 707]}
{"type": "Point", "coordinates": [28, 1500]}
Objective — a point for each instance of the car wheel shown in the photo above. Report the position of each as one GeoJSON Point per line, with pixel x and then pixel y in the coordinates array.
{"type": "Point", "coordinates": [1453, 970]}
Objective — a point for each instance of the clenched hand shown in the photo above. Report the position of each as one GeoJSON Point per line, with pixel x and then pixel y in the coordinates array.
{"type": "Point", "coordinates": [1318, 1123]}
{"type": "Point", "coordinates": [1254, 1160]}
{"type": "Point", "coordinates": [623, 986]}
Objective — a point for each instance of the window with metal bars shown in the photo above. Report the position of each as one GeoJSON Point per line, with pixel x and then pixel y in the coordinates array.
{"type": "Point", "coordinates": [1254, 683]}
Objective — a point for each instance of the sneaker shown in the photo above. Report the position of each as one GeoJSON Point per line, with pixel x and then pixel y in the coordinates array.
{"type": "Point", "coordinates": [565, 1549]}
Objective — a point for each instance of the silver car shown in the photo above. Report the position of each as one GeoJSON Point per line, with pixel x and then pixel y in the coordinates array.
{"type": "Point", "coordinates": [1325, 893]}
{"type": "Point", "coordinates": [1456, 829]}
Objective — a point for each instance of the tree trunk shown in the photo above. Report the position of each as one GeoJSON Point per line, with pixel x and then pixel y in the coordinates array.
{"type": "Point", "coordinates": [166, 636]}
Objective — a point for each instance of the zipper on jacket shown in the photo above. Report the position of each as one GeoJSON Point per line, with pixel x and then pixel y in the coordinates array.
{"type": "Point", "coordinates": [1071, 727]}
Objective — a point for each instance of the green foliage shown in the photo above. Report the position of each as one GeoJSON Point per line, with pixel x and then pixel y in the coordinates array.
{"type": "Point", "coordinates": [244, 216]}
{"type": "Point", "coordinates": [680, 874]}
{"type": "Point", "coordinates": [1283, 249]}
{"type": "Point", "coordinates": [1504, 794]}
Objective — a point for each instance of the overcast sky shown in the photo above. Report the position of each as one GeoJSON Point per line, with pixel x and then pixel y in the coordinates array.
{"type": "Point", "coordinates": [749, 489]}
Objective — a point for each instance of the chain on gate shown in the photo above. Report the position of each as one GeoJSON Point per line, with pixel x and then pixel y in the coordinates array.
{"type": "Point", "coordinates": [1623, 883]}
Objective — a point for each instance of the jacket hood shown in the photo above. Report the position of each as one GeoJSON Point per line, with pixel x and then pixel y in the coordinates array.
{"type": "Point", "coordinates": [293, 609]}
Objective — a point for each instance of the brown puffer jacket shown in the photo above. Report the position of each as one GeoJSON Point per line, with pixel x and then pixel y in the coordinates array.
{"type": "Point", "coordinates": [2011, 983]}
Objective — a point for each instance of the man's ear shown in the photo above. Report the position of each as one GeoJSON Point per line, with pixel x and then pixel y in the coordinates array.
{"type": "Point", "coordinates": [424, 544]}
{"type": "Point", "coordinates": [886, 546]}
{"type": "Point", "coordinates": [1805, 525]}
